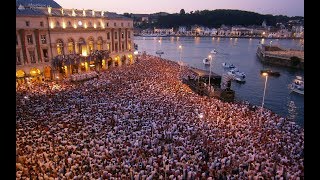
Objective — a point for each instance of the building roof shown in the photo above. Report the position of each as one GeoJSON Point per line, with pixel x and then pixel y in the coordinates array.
{"type": "Point", "coordinates": [66, 12]}
{"type": "Point", "coordinates": [38, 7]}
{"type": "Point", "coordinates": [38, 3]}
{"type": "Point", "coordinates": [29, 11]}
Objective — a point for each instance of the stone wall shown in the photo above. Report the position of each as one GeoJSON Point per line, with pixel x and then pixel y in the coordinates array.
{"type": "Point", "coordinates": [277, 61]}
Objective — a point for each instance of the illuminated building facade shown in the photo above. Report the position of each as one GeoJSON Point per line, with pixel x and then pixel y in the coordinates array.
{"type": "Point", "coordinates": [47, 32]}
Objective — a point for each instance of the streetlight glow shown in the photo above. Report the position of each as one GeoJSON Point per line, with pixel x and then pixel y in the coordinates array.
{"type": "Point", "coordinates": [180, 52]}
{"type": "Point", "coordinates": [264, 90]}
{"type": "Point", "coordinates": [210, 59]}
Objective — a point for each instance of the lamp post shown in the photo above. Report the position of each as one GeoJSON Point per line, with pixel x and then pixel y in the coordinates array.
{"type": "Point", "coordinates": [210, 59]}
{"type": "Point", "coordinates": [180, 51]}
{"type": "Point", "coordinates": [264, 90]}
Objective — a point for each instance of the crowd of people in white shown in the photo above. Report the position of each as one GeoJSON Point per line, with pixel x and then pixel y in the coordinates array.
{"type": "Point", "coordinates": [83, 76]}
{"type": "Point", "coordinates": [141, 122]}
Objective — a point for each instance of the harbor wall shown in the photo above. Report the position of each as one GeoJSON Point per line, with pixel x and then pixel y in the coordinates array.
{"type": "Point", "coordinates": [278, 60]}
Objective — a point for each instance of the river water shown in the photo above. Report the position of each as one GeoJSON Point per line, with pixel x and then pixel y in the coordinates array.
{"type": "Point", "coordinates": [242, 53]}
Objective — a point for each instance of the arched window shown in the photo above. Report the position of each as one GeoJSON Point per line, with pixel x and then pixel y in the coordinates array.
{"type": "Point", "coordinates": [99, 43]}
{"type": "Point", "coordinates": [90, 45]}
{"type": "Point", "coordinates": [71, 49]}
{"type": "Point", "coordinates": [60, 47]}
{"type": "Point", "coordinates": [82, 48]}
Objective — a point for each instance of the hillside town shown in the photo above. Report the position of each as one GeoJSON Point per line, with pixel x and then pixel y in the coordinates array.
{"type": "Point", "coordinates": [291, 29]}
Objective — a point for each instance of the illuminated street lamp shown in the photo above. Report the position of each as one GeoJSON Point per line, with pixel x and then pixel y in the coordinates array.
{"type": "Point", "coordinates": [180, 52]}
{"type": "Point", "coordinates": [264, 90]}
{"type": "Point", "coordinates": [210, 59]}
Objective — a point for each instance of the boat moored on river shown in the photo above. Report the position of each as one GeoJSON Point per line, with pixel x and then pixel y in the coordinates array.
{"type": "Point", "coordinates": [297, 85]}
{"type": "Point", "coordinates": [227, 65]}
{"type": "Point", "coordinates": [270, 72]}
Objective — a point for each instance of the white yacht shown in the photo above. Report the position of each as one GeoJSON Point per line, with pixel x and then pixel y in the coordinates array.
{"type": "Point", "coordinates": [297, 85]}
{"type": "Point", "coordinates": [213, 51]}
{"type": "Point", "coordinates": [227, 65]}
{"type": "Point", "coordinates": [237, 73]}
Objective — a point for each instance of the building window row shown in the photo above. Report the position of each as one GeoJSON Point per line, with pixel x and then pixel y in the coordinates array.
{"type": "Point", "coordinates": [43, 38]}
{"type": "Point", "coordinates": [90, 46]}
{"type": "Point", "coordinates": [28, 24]}
{"type": "Point", "coordinates": [32, 57]}
{"type": "Point", "coordinates": [83, 24]}
{"type": "Point", "coordinates": [70, 24]}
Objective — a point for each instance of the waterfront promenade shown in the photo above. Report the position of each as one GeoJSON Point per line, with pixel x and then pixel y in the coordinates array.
{"type": "Point", "coordinates": [141, 121]}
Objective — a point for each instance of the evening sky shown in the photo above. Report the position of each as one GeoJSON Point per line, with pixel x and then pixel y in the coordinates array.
{"type": "Point", "coordinates": [274, 7]}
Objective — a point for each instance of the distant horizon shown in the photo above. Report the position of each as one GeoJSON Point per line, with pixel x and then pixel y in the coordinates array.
{"type": "Point", "coordinates": [288, 8]}
{"type": "Point", "coordinates": [209, 10]}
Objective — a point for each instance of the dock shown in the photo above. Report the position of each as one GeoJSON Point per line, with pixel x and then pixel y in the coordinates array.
{"type": "Point", "coordinates": [279, 56]}
{"type": "Point", "coordinates": [204, 76]}
{"type": "Point", "coordinates": [200, 85]}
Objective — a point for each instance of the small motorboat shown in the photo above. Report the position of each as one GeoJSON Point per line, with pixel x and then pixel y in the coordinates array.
{"type": "Point", "coordinates": [234, 77]}
{"type": "Point", "coordinates": [237, 73]}
{"type": "Point", "coordinates": [297, 85]}
{"type": "Point", "coordinates": [213, 51]}
{"type": "Point", "coordinates": [270, 72]}
{"type": "Point", "coordinates": [206, 61]}
{"type": "Point", "coordinates": [159, 52]}
{"type": "Point", "coordinates": [227, 65]}
{"type": "Point", "coordinates": [240, 79]}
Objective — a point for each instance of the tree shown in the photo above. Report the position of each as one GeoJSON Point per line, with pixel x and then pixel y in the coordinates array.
{"type": "Point", "coordinates": [182, 12]}
{"type": "Point", "coordinates": [214, 18]}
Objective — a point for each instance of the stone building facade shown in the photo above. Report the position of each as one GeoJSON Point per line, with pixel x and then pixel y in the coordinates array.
{"type": "Point", "coordinates": [47, 33]}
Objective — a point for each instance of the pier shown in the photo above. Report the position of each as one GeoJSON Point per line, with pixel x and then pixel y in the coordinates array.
{"type": "Point", "coordinates": [279, 56]}
{"type": "Point", "coordinates": [200, 85]}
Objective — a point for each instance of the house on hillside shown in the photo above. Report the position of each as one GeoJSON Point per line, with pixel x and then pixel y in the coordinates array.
{"type": "Point", "coordinates": [240, 31]}
{"type": "Point", "coordinates": [224, 31]}
{"type": "Point", "coordinates": [182, 30]}
{"type": "Point", "coordinates": [197, 30]}
{"type": "Point", "coordinates": [298, 31]}
{"type": "Point", "coordinates": [163, 31]}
